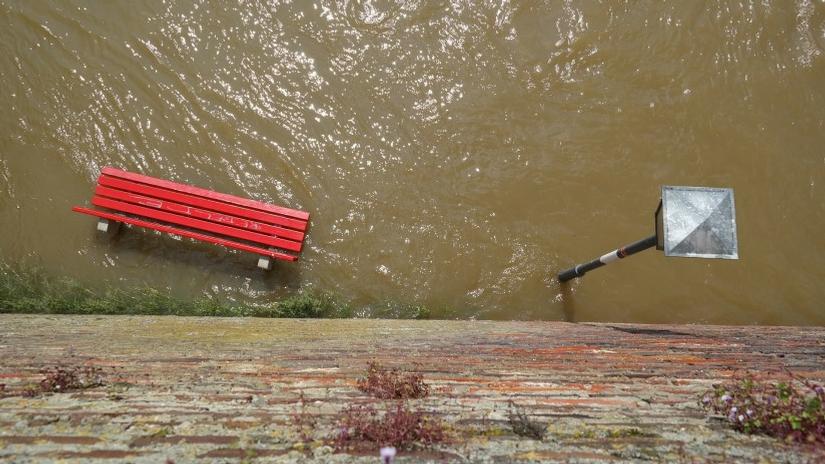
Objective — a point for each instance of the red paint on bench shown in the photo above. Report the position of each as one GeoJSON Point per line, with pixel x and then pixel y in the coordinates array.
{"type": "Point", "coordinates": [198, 213]}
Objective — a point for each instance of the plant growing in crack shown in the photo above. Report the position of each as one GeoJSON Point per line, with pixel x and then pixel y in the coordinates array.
{"type": "Point", "coordinates": [398, 426]}
{"type": "Point", "coordinates": [394, 383]}
{"type": "Point", "coordinates": [793, 410]}
{"type": "Point", "coordinates": [60, 379]}
{"type": "Point", "coordinates": [304, 423]}
{"type": "Point", "coordinates": [522, 425]}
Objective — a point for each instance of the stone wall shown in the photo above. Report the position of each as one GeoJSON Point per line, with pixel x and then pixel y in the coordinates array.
{"type": "Point", "coordinates": [228, 390]}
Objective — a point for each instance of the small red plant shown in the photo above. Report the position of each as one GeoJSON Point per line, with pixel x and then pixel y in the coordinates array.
{"type": "Point", "coordinates": [398, 426]}
{"type": "Point", "coordinates": [62, 379]}
{"type": "Point", "coordinates": [793, 410]}
{"type": "Point", "coordinates": [384, 383]}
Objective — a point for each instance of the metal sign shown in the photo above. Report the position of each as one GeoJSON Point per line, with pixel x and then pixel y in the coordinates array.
{"type": "Point", "coordinates": [694, 222]}
{"type": "Point", "coordinates": [697, 222]}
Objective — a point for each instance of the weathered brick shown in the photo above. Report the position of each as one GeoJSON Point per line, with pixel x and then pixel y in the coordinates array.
{"type": "Point", "coordinates": [225, 388]}
{"type": "Point", "coordinates": [172, 439]}
{"type": "Point", "coordinates": [66, 440]}
{"type": "Point", "coordinates": [96, 454]}
{"type": "Point", "coordinates": [239, 453]}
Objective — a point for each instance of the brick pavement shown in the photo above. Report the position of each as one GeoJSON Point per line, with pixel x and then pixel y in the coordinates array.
{"type": "Point", "coordinates": [226, 389]}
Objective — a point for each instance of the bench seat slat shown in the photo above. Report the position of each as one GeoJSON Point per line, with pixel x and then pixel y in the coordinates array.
{"type": "Point", "coordinates": [186, 210]}
{"type": "Point", "coordinates": [204, 203]}
{"type": "Point", "coordinates": [185, 233]}
{"type": "Point", "coordinates": [195, 223]}
{"type": "Point", "coordinates": [232, 199]}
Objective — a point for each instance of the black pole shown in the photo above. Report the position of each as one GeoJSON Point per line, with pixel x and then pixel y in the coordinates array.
{"type": "Point", "coordinates": [581, 269]}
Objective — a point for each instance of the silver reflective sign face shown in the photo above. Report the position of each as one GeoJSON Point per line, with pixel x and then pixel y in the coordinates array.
{"type": "Point", "coordinates": [699, 222]}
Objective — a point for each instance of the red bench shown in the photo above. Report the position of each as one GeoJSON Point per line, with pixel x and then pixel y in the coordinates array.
{"type": "Point", "coordinates": [267, 230]}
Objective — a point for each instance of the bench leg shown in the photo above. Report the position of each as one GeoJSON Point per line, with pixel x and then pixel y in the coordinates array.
{"type": "Point", "coordinates": [107, 226]}
{"type": "Point", "coordinates": [265, 262]}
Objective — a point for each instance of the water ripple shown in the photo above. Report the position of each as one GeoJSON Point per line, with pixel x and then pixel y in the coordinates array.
{"type": "Point", "coordinates": [454, 153]}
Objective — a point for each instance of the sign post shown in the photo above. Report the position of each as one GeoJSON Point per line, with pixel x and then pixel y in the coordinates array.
{"type": "Point", "coordinates": [692, 222]}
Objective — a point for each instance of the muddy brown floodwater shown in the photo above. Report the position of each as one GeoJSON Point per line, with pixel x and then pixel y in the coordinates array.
{"type": "Point", "coordinates": [454, 154]}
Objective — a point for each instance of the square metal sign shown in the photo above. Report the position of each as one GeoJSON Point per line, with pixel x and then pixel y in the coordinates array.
{"type": "Point", "coordinates": [698, 222]}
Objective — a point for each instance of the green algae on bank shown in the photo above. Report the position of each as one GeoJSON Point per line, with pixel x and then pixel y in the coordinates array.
{"type": "Point", "coordinates": [26, 289]}
{"type": "Point", "coordinates": [29, 290]}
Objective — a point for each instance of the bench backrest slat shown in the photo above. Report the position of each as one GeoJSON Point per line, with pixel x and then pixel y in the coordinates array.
{"type": "Point", "coordinates": [201, 202]}
{"type": "Point", "coordinates": [191, 211]}
{"type": "Point", "coordinates": [226, 198]}
{"type": "Point", "coordinates": [195, 223]}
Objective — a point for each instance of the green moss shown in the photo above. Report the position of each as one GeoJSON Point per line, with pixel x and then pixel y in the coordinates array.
{"type": "Point", "coordinates": [631, 432]}
{"type": "Point", "coordinates": [584, 433]}
{"type": "Point", "coordinates": [495, 432]}
{"type": "Point", "coordinates": [29, 290]}
{"type": "Point", "coordinates": [161, 432]}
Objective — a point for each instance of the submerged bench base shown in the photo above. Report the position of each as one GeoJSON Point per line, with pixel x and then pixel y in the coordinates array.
{"type": "Point", "coordinates": [111, 227]}
{"type": "Point", "coordinates": [115, 218]}
{"type": "Point", "coordinates": [107, 226]}
{"type": "Point", "coordinates": [265, 263]}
